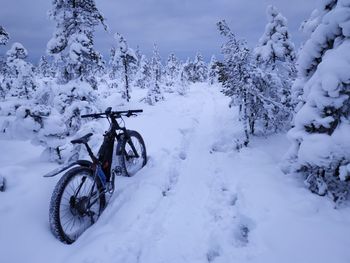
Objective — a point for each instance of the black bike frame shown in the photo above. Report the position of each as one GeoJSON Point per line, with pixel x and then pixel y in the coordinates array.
{"type": "Point", "coordinates": [105, 153]}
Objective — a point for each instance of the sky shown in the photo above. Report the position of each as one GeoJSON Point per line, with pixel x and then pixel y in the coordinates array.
{"type": "Point", "coordinates": [180, 26]}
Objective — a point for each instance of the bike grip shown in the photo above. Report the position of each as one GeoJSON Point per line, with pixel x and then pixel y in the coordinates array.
{"type": "Point", "coordinates": [136, 111]}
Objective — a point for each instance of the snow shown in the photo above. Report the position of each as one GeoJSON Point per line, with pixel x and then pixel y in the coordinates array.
{"type": "Point", "coordinates": [197, 200]}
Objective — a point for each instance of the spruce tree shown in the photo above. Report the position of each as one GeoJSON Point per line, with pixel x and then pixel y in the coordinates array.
{"type": "Point", "coordinates": [154, 92]}
{"type": "Point", "coordinates": [245, 84]}
{"type": "Point", "coordinates": [72, 47]}
{"type": "Point", "coordinates": [44, 68]}
{"type": "Point", "coordinates": [182, 84]}
{"type": "Point", "coordinates": [200, 70]}
{"type": "Point", "coordinates": [320, 150]}
{"type": "Point", "coordinates": [188, 70]}
{"type": "Point", "coordinates": [275, 45]}
{"type": "Point", "coordinates": [19, 77]}
{"type": "Point", "coordinates": [213, 71]}
{"type": "Point", "coordinates": [114, 69]}
{"type": "Point", "coordinates": [172, 69]}
{"type": "Point", "coordinates": [276, 57]}
{"type": "Point", "coordinates": [128, 60]}
{"type": "Point", "coordinates": [4, 36]}
{"type": "Point", "coordinates": [143, 76]}
{"type": "Point", "coordinates": [72, 40]}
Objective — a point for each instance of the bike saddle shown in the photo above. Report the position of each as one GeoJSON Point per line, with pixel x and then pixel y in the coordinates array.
{"type": "Point", "coordinates": [83, 139]}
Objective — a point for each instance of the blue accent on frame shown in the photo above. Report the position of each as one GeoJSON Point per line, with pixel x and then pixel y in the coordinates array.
{"type": "Point", "coordinates": [102, 175]}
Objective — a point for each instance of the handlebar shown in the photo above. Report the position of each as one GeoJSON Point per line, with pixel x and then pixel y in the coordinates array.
{"type": "Point", "coordinates": [110, 113]}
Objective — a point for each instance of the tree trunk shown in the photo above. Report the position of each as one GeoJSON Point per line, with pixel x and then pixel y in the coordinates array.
{"type": "Point", "coordinates": [126, 80]}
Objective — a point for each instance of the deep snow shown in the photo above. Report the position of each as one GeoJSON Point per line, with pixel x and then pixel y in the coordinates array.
{"type": "Point", "coordinates": [197, 199]}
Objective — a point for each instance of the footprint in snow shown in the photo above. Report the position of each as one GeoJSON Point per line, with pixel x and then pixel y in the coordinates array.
{"type": "Point", "coordinates": [242, 230]}
{"type": "Point", "coordinates": [212, 254]}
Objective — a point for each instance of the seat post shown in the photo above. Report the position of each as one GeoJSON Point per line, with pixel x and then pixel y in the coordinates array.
{"type": "Point", "coordinates": [92, 156]}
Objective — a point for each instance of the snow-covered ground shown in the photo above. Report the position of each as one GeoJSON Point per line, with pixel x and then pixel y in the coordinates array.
{"type": "Point", "coordinates": [197, 199]}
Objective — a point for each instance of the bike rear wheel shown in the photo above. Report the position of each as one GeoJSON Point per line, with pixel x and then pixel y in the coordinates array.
{"type": "Point", "coordinates": [76, 203]}
{"type": "Point", "coordinates": [131, 153]}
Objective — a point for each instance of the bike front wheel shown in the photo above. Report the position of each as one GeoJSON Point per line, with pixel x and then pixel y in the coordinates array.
{"type": "Point", "coordinates": [76, 203]}
{"type": "Point", "coordinates": [131, 153]}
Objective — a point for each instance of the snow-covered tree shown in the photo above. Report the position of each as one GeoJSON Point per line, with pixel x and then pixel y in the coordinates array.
{"type": "Point", "coordinates": [275, 46]}
{"type": "Point", "coordinates": [156, 64]}
{"type": "Point", "coordinates": [188, 69]}
{"type": "Point", "coordinates": [73, 41]}
{"type": "Point", "coordinates": [74, 55]}
{"type": "Point", "coordinates": [246, 85]}
{"type": "Point", "coordinates": [275, 55]}
{"type": "Point", "coordinates": [308, 27]}
{"type": "Point", "coordinates": [200, 70]}
{"type": "Point", "coordinates": [143, 76]}
{"type": "Point", "coordinates": [44, 68]}
{"type": "Point", "coordinates": [114, 68]}
{"type": "Point", "coordinates": [138, 55]}
{"type": "Point", "coordinates": [128, 60]}
{"type": "Point", "coordinates": [154, 91]}
{"type": "Point", "coordinates": [19, 76]}
{"type": "Point", "coordinates": [213, 70]}
{"type": "Point", "coordinates": [321, 145]}
{"type": "Point", "coordinates": [4, 36]}
{"type": "Point", "coordinates": [182, 84]}
{"type": "Point", "coordinates": [172, 70]}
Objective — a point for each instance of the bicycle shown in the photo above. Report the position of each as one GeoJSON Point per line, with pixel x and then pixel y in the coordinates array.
{"type": "Point", "coordinates": [80, 195]}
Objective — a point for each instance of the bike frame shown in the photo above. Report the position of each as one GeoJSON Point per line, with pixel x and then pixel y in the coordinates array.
{"type": "Point", "coordinates": [101, 165]}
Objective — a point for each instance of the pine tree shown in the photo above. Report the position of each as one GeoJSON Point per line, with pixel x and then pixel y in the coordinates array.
{"type": "Point", "coordinates": [275, 46]}
{"type": "Point", "coordinates": [154, 92]}
{"type": "Point", "coordinates": [44, 68]}
{"type": "Point", "coordinates": [143, 76]}
{"type": "Point", "coordinates": [19, 77]}
{"type": "Point", "coordinates": [128, 59]}
{"type": "Point", "coordinates": [172, 69]}
{"type": "Point", "coordinates": [188, 70]}
{"type": "Point", "coordinates": [276, 57]}
{"type": "Point", "coordinates": [245, 84]}
{"type": "Point", "coordinates": [320, 150]}
{"type": "Point", "coordinates": [73, 39]}
{"type": "Point", "coordinates": [213, 71]}
{"type": "Point", "coordinates": [156, 65]}
{"type": "Point", "coordinates": [4, 36]}
{"type": "Point", "coordinates": [72, 47]}
{"type": "Point", "coordinates": [308, 27]}
{"type": "Point", "coordinates": [114, 68]}
{"type": "Point", "coordinates": [182, 84]}
{"type": "Point", "coordinates": [200, 70]}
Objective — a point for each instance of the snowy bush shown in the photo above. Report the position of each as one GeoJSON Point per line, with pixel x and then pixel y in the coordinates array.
{"type": "Point", "coordinates": [321, 144]}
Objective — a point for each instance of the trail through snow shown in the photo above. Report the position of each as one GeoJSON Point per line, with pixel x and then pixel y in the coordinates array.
{"type": "Point", "coordinates": [197, 199]}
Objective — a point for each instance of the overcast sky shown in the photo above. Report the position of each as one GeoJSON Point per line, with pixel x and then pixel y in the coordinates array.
{"type": "Point", "coordinates": [180, 26]}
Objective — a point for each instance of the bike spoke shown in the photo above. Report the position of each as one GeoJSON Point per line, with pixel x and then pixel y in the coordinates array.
{"type": "Point", "coordinates": [73, 220]}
